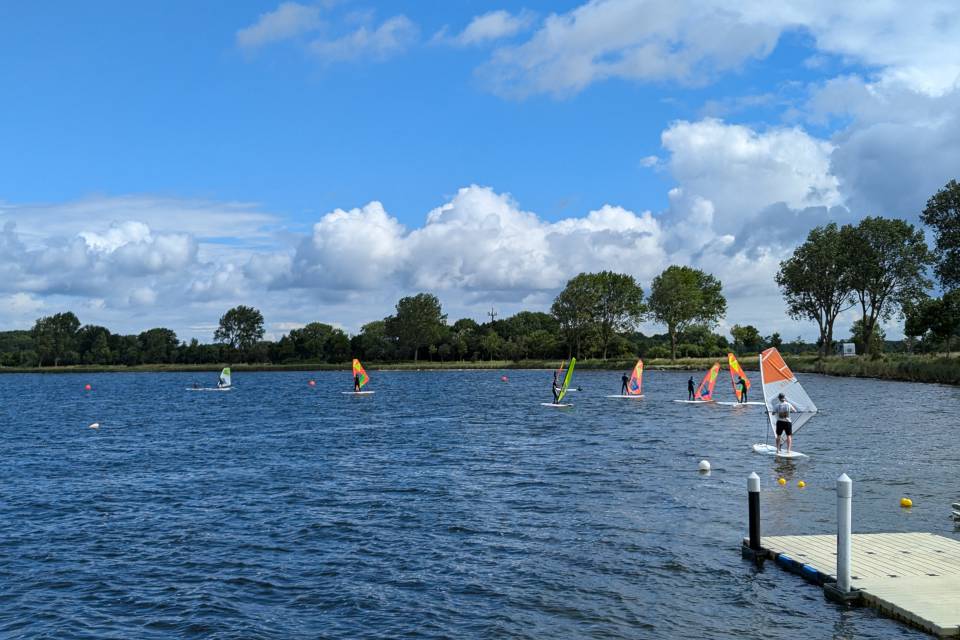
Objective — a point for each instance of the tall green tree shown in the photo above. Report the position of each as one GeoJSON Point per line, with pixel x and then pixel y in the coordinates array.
{"type": "Point", "coordinates": [938, 317]}
{"type": "Point", "coordinates": [617, 307]}
{"type": "Point", "coordinates": [240, 328]}
{"type": "Point", "coordinates": [815, 281]}
{"type": "Point", "coordinates": [888, 272]}
{"type": "Point", "coordinates": [873, 342]}
{"type": "Point", "coordinates": [158, 345]}
{"type": "Point", "coordinates": [942, 213]}
{"type": "Point", "coordinates": [464, 337]}
{"type": "Point", "coordinates": [418, 322]}
{"type": "Point", "coordinates": [55, 336]}
{"type": "Point", "coordinates": [682, 296]}
{"type": "Point", "coordinates": [571, 308]}
{"type": "Point", "coordinates": [745, 337]}
{"type": "Point", "coordinates": [374, 343]}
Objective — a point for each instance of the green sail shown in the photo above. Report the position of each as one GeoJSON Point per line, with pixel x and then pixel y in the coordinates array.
{"type": "Point", "coordinates": [566, 380]}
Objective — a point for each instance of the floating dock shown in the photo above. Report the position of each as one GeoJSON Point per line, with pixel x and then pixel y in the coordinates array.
{"type": "Point", "coordinates": [912, 577]}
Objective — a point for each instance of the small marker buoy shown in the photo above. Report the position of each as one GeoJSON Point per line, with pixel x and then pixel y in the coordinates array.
{"type": "Point", "coordinates": [906, 503]}
{"type": "Point", "coordinates": [801, 484]}
{"type": "Point", "coordinates": [781, 482]}
{"type": "Point", "coordinates": [312, 383]}
{"type": "Point", "coordinates": [504, 378]}
{"type": "Point", "coordinates": [95, 425]}
{"type": "Point", "coordinates": [704, 465]}
{"type": "Point", "coordinates": [87, 387]}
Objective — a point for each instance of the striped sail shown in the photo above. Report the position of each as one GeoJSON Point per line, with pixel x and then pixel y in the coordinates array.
{"type": "Point", "coordinates": [359, 371]}
{"type": "Point", "coordinates": [776, 378]}
{"type": "Point", "coordinates": [705, 390]}
{"type": "Point", "coordinates": [635, 386]}
{"type": "Point", "coordinates": [735, 374]}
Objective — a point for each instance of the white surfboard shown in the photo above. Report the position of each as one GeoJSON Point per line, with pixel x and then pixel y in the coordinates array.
{"type": "Point", "coordinates": [741, 404]}
{"type": "Point", "coordinates": [695, 401]}
{"type": "Point", "coordinates": [639, 395]}
{"type": "Point", "coordinates": [209, 388]}
{"type": "Point", "coordinates": [357, 393]}
{"type": "Point", "coordinates": [771, 450]}
{"type": "Point", "coordinates": [556, 406]}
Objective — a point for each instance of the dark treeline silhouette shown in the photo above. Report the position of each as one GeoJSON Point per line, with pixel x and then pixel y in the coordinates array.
{"type": "Point", "coordinates": [596, 315]}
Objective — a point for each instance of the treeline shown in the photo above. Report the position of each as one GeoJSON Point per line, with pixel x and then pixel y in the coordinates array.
{"type": "Point", "coordinates": [595, 315]}
{"type": "Point", "coordinates": [881, 267]}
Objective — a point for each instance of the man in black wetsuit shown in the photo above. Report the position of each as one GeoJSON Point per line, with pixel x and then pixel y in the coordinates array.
{"type": "Point", "coordinates": [743, 390]}
{"type": "Point", "coordinates": [556, 389]}
{"type": "Point", "coordinates": [691, 389]}
{"type": "Point", "coordinates": [356, 382]}
{"type": "Point", "coordinates": [624, 379]}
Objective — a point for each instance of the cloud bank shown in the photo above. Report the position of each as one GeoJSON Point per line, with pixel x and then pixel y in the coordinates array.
{"type": "Point", "coordinates": [744, 199]}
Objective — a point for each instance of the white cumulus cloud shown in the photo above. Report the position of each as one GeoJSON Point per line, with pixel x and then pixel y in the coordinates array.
{"type": "Point", "coordinates": [288, 20]}
{"type": "Point", "coordinates": [494, 25]}
{"type": "Point", "coordinates": [393, 36]}
{"type": "Point", "coordinates": [692, 41]}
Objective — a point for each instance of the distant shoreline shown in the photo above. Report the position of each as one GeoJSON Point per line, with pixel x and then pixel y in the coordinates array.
{"type": "Point", "coordinates": [902, 367]}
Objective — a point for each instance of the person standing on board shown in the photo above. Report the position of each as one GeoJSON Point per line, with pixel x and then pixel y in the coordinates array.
{"type": "Point", "coordinates": [556, 389]}
{"type": "Point", "coordinates": [783, 409]}
{"type": "Point", "coordinates": [624, 379]}
{"type": "Point", "coordinates": [691, 389]}
{"type": "Point", "coordinates": [356, 383]}
{"type": "Point", "coordinates": [743, 390]}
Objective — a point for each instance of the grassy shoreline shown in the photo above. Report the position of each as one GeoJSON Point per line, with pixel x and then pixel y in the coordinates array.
{"type": "Point", "coordinates": [909, 368]}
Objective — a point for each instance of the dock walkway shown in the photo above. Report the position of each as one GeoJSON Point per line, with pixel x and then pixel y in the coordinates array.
{"type": "Point", "coordinates": [913, 577]}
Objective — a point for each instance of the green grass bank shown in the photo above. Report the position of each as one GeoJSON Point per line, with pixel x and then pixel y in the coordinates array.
{"type": "Point", "coordinates": [911, 368]}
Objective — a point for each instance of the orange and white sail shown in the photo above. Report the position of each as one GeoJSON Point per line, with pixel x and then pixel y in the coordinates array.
{"type": "Point", "coordinates": [705, 390]}
{"type": "Point", "coordinates": [736, 372]}
{"type": "Point", "coordinates": [635, 385]}
{"type": "Point", "coordinates": [776, 378]}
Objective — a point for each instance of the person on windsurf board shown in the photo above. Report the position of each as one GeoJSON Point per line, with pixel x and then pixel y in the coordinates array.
{"type": "Point", "coordinates": [782, 409]}
{"type": "Point", "coordinates": [691, 389]}
{"type": "Point", "coordinates": [624, 380]}
{"type": "Point", "coordinates": [743, 391]}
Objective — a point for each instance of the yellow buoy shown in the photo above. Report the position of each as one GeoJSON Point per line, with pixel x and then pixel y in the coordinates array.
{"type": "Point", "coordinates": [801, 484]}
{"type": "Point", "coordinates": [906, 502]}
{"type": "Point", "coordinates": [781, 482]}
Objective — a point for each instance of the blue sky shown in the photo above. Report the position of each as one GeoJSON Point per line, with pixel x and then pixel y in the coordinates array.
{"type": "Point", "coordinates": [232, 132]}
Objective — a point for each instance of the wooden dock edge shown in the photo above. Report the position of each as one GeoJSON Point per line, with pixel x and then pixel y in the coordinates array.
{"type": "Point", "coordinates": [856, 597]}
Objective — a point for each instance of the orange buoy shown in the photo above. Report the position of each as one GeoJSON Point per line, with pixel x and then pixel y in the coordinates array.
{"type": "Point", "coordinates": [87, 387]}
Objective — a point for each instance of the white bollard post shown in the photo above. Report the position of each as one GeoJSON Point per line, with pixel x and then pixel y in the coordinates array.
{"type": "Point", "coordinates": [844, 508]}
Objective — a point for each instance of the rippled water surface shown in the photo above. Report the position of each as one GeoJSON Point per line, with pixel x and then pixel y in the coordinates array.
{"type": "Point", "coordinates": [448, 504]}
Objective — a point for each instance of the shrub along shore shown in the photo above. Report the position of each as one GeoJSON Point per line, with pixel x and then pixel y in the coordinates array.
{"type": "Point", "coordinates": [905, 367]}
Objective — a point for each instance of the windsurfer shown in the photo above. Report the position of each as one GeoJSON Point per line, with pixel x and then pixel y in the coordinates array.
{"type": "Point", "coordinates": [356, 382]}
{"type": "Point", "coordinates": [783, 409]}
{"type": "Point", "coordinates": [556, 389]}
{"type": "Point", "coordinates": [691, 389]}
{"type": "Point", "coordinates": [624, 379]}
{"type": "Point", "coordinates": [743, 390]}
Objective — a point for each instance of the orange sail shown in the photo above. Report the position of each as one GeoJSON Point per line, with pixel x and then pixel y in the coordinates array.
{"type": "Point", "coordinates": [358, 371]}
{"type": "Point", "coordinates": [635, 386]}
{"type": "Point", "coordinates": [735, 374]}
{"type": "Point", "coordinates": [705, 391]}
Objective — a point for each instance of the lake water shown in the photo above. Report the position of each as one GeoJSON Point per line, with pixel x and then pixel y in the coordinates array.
{"type": "Point", "coordinates": [448, 504]}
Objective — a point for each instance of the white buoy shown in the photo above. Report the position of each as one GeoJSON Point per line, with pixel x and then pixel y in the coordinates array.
{"type": "Point", "coordinates": [704, 466]}
{"type": "Point", "coordinates": [95, 425]}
